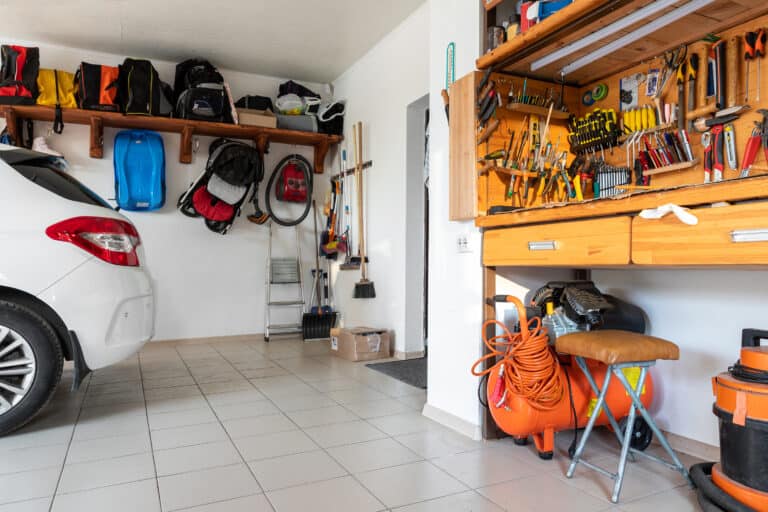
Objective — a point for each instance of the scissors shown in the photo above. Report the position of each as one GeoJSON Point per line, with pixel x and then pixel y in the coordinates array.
{"type": "Point", "coordinates": [673, 60]}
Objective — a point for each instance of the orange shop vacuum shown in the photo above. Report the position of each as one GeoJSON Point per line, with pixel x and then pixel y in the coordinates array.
{"type": "Point", "coordinates": [532, 391]}
{"type": "Point", "coordinates": [739, 482]}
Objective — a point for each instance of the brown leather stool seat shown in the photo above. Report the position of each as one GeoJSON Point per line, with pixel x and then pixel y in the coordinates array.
{"type": "Point", "coordinates": [615, 347]}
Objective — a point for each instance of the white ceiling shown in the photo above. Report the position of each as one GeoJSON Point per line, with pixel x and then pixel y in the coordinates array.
{"type": "Point", "coordinates": [314, 40]}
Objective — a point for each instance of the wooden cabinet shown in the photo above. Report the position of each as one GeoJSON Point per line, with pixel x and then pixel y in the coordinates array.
{"type": "Point", "coordinates": [462, 179]}
{"type": "Point", "coordinates": [569, 244]}
{"type": "Point", "coordinates": [728, 235]}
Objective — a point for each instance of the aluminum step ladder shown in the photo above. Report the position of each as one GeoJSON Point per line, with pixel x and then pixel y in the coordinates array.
{"type": "Point", "coordinates": [283, 272]}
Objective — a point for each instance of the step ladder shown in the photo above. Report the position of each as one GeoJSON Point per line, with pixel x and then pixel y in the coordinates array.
{"type": "Point", "coordinates": [284, 272]}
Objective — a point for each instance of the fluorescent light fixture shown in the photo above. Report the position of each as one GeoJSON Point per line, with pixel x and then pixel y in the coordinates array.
{"type": "Point", "coordinates": [749, 235]}
{"type": "Point", "coordinates": [648, 28]}
{"type": "Point", "coordinates": [627, 21]}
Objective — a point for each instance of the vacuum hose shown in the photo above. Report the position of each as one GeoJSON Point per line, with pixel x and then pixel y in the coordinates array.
{"type": "Point", "coordinates": [530, 367]}
{"type": "Point", "coordinates": [710, 496]}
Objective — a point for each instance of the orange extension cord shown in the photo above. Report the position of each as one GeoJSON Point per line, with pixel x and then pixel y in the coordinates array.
{"type": "Point", "coordinates": [531, 368]}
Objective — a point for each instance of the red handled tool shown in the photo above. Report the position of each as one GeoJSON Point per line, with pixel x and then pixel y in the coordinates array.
{"type": "Point", "coordinates": [753, 144]}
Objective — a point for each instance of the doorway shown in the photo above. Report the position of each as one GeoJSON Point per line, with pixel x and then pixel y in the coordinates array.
{"type": "Point", "coordinates": [417, 228]}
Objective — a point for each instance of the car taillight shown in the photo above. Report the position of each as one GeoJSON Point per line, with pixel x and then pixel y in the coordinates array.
{"type": "Point", "coordinates": [112, 240]}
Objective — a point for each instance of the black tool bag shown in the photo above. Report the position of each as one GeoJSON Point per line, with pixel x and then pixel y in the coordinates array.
{"type": "Point", "coordinates": [255, 103]}
{"type": "Point", "coordinates": [200, 92]}
{"type": "Point", "coordinates": [18, 75]}
{"type": "Point", "coordinates": [97, 87]}
{"type": "Point", "coordinates": [141, 91]}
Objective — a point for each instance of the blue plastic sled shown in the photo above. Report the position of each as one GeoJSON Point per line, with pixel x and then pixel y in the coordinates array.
{"type": "Point", "coordinates": [139, 159]}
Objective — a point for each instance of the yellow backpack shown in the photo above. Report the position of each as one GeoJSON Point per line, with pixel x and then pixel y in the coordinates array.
{"type": "Point", "coordinates": [57, 88]}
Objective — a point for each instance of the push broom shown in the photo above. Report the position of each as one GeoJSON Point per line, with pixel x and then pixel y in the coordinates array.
{"type": "Point", "coordinates": [364, 288]}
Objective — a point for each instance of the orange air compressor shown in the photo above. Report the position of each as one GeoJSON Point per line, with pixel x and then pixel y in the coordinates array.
{"type": "Point", "coordinates": [532, 391]}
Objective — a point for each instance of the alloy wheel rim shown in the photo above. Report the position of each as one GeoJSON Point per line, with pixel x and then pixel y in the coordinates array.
{"type": "Point", "coordinates": [17, 368]}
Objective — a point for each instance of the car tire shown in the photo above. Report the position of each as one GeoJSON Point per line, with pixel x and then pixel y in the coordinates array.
{"type": "Point", "coordinates": [30, 338]}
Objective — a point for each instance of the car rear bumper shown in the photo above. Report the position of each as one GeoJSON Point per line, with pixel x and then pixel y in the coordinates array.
{"type": "Point", "coordinates": [110, 308]}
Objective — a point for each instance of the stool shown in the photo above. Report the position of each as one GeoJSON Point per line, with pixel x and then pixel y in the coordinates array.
{"type": "Point", "coordinates": [619, 350]}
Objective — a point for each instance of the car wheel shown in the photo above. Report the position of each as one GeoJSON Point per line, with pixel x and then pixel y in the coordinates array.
{"type": "Point", "coordinates": [31, 362]}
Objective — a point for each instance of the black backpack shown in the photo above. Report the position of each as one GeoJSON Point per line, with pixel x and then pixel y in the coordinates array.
{"type": "Point", "coordinates": [18, 75]}
{"type": "Point", "coordinates": [200, 93]}
{"type": "Point", "coordinates": [140, 90]}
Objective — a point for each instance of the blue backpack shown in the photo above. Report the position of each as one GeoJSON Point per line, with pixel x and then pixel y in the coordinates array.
{"type": "Point", "coordinates": [139, 159]}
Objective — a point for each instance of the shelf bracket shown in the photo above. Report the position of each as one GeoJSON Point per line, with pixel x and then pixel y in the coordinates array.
{"type": "Point", "coordinates": [97, 138]}
{"type": "Point", "coordinates": [185, 148]}
{"type": "Point", "coordinates": [262, 144]}
{"type": "Point", "coordinates": [12, 124]}
{"type": "Point", "coordinates": [321, 149]}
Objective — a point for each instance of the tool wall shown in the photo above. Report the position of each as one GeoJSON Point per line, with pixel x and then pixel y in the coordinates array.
{"type": "Point", "coordinates": [666, 122]}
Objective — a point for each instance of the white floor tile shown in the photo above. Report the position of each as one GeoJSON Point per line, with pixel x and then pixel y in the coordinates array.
{"type": "Point", "coordinates": [174, 419]}
{"type": "Point", "coordinates": [322, 416]}
{"type": "Point", "coordinates": [292, 470]}
{"type": "Point", "coordinates": [274, 445]}
{"type": "Point", "coordinates": [377, 408]}
{"type": "Point", "coordinates": [485, 467]}
{"type": "Point", "coordinates": [302, 402]}
{"type": "Point", "coordinates": [130, 497]}
{"type": "Point", "coordinates": [680, 499]}
{"type": "Point", "coordinates": [206, 486]}
{"type": "Point", "coordinates": [258, 425]}
{"type": "Point", "coordinates": [468, 501]}
{"type": "Point", "coordinates": [188, 436]}
{"type": "Point", "coordinates": [542, 493]}
{"type": "Point", "coordinates": [101, 473]}
{"type": "Point", "coordinates": [438, 443]}
{"type": "Point", "coordinates": [344, 433]}
{"type": "Point", "coordinates": [359, 394]}
{"type": "Point", "coordinates": [405, 423]}
{"type": "Point", "coordinates": [410, 483]}
{"type": "Point", "coordinates": [210, 388]}
{"type": "Point", "coordinates": [372, 455]}
{"type": "Point", "coordinates": [28, 459]}
{"type": "Point", "coordinates": [324, 497]}
{"type": "Point", "coordinates": [257, 503]}
{"type": "Point", "coordinates": [39, 505]}
{"type": "Point", "coordinates": [193, 458]}
{"type": "Point", "coordinates": [245, 410]}
{"type": "Point", "coordinates": [108, 447]}
{"type": "Point", "coordinates": [28, 485]}
{"type": "Point", "coordinates": [236, 397]}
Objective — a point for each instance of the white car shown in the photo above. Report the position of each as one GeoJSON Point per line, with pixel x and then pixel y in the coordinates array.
{"type": "Point", "coordinates": [72, 283]}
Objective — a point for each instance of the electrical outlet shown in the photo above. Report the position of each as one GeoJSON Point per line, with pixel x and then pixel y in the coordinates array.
{"type": "Point", "coordinates": [462, 244]}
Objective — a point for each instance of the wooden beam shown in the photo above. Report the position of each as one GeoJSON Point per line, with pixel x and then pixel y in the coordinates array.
{"type": "Point", "coordinates": [321, 149]}
{"type": "Point", "coordinates": [185, 147]}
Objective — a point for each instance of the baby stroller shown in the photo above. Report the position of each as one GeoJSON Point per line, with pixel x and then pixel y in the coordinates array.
{"type": "Point", "coordinates": [232, 173]}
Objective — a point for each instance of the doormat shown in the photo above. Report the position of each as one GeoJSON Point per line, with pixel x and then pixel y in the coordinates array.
{"type": "Point", "coordinates": [410, 371]}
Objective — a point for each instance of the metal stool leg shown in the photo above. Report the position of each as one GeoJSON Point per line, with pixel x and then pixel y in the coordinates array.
{"type": "Point", "coordinates": [627, 431]}
{"type": "Point", "coordinates": [611, 419]}
{"type": "Point", "coordinates": [590, 426]}
{"type": "Point", "coordinates": [652, 424]}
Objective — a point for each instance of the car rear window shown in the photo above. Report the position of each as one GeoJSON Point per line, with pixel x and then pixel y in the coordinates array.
{"type": "Point", "coordinates": [49, 174]}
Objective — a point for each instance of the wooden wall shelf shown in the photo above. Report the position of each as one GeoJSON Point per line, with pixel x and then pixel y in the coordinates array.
{"type": "Point", "coordinates": [187, 128]}
{"type": "Point", "coordinates": [730, 190]}
{"type": "Point", "coordinates": [537, 110]}
{"type": "Point", "coordinates": [584, 17]}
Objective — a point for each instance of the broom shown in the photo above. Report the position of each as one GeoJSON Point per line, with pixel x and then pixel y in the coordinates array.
{"type": "Point", "coordinates": [364, 288]}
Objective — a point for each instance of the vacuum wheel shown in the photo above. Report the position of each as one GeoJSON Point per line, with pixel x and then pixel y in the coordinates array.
{"type": "Point", "coordinates": [642, 435]}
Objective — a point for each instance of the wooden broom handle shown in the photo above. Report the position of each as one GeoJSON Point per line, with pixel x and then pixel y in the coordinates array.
{"type": "Point", "coordinates": [357, 141]}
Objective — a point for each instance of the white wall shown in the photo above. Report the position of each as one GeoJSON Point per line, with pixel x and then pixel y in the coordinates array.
{"type": "Point", "coordinates": [206, 284]}
{"type": "Point", "coordinates": [703, 311]}
{"type": "Point", "coordinates": [379, 87]}
{"type": "Point", "coordinates": [455, 280]}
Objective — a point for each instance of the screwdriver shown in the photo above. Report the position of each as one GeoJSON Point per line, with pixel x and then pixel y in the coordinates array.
{"type": "Point", "coordinates": [759, 54]}
{"type": "Point", "coordinates": [750, 40]}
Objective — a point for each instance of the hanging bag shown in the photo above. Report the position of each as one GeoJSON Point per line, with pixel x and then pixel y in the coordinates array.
{"type": "Point", "coordinates": [18, 75]}
{"type": "Point", "coordinates": [56, 89]}
{"type": "Point", "coordinates": [97, 87]}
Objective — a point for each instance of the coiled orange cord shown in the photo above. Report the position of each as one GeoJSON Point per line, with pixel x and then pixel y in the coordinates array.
{"type": "Point", "coordinates": [531, 368]}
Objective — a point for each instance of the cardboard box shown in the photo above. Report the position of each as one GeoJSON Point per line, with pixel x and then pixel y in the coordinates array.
{"type": "Point", "coordinates": [360, 343]}
{"type": "Point", "coordinates": [251, 117]}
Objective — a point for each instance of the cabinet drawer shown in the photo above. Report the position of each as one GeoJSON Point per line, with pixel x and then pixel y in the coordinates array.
{"type": "Point", "coordinates": [729, 235]}
{"type": "Point", "coordinates": [572, 244]}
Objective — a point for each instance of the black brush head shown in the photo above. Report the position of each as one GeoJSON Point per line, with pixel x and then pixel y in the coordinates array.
{"type": "Point", "coordinates": [365, 290]}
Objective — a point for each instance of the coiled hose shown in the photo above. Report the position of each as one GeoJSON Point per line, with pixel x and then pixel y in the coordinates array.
{"type": "Point", "coordinates": [531, 368]}
{"type": "Point", "coordinates": [710, 496]}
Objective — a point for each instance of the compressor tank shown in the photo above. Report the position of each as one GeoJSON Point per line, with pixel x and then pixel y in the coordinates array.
{"type": "Point", "coordinates": [519, 419]}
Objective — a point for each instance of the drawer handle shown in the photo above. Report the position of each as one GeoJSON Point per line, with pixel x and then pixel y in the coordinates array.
{"type": "Point", "coordinates": [749, 235]}
{"type": "Point", "coordinates": [543, 245]}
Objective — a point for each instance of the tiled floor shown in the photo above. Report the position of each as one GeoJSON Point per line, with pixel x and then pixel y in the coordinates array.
{"type": "Point", "coordinates": [285, 427]}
